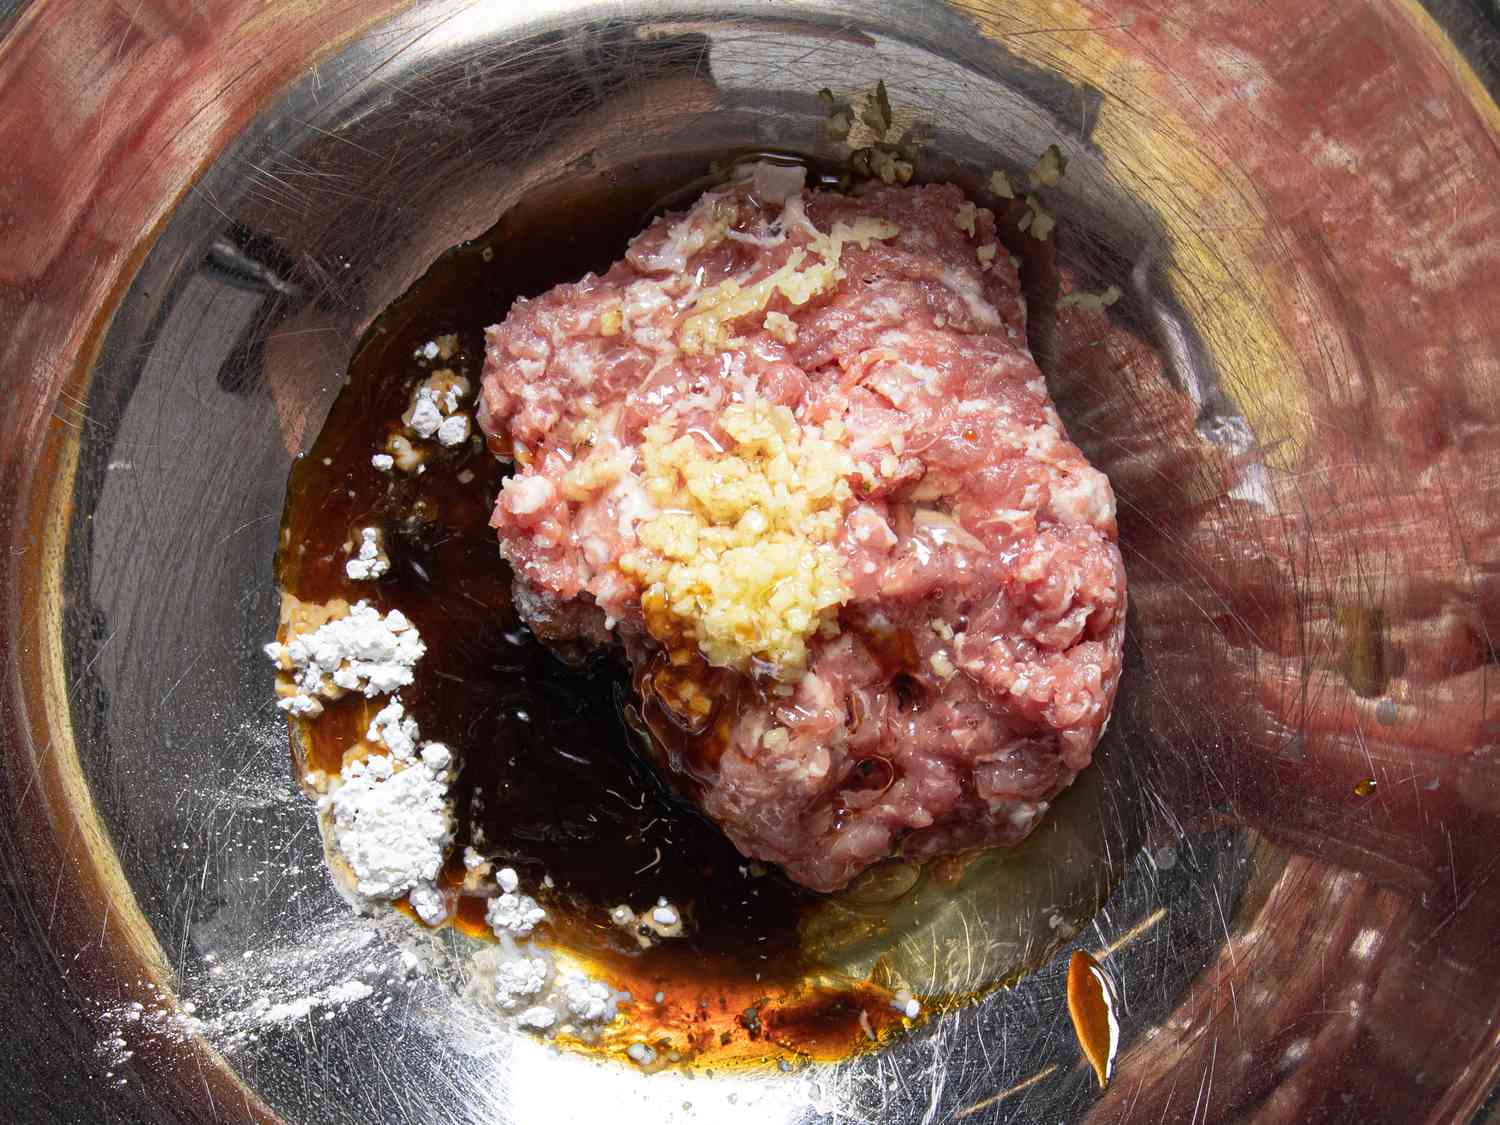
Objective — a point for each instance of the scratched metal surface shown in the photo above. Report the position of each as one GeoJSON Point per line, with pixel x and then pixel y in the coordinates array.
{"type": "Point", "coordinates": [1296, 402]}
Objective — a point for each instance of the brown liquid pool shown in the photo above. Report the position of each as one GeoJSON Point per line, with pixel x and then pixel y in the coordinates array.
{"type": "Point", "coordinates": [553, 777]}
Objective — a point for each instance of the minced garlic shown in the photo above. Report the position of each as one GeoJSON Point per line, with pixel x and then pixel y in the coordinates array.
{"type": "Point", "coordinates": [740, 559]}
{"type": "Point", "coordinates": [783, 327]}
{"type": "Point", "coordinates": [776, 740]}
{"type": "Point", "coordinates": [1038, 220]}
{"type": "Point", "coordinates": [943, 666]}
{"type": "Point", "coordinates": [594, 473]}
{"type": "Point", "coordinates": [704, 330]}
{"type": "Point", "coordinates": [963, 218]}
{"type": "Point", "coordinates": [1087, 300]}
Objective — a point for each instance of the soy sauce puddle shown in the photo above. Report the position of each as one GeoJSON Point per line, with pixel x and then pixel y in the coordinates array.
{"type": "Point", "coordinates": [550, 782]}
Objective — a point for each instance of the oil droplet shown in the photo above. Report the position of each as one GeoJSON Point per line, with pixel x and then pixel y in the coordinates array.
{"type": "Point", "coordinates": [1364, 788]}
{"type": "Point", "coordinates": [1091, 1005]}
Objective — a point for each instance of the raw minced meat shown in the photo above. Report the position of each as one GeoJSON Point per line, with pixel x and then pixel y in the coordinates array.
{"type": "Point", "coordinates": [793, 451]}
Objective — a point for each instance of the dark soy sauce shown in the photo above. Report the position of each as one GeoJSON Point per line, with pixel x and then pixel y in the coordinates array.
{"type": "Point", "coordinates": [552, 781]}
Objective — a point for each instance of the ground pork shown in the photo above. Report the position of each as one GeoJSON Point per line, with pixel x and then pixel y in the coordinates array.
{"type": "Point", "coordinates": [794, 453]}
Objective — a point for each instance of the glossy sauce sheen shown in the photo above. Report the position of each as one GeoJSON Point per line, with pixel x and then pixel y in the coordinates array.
{"type": "Point", "coordinates": [550, 776]}
{"type": "Point", "coordinates": [1091, 1008]}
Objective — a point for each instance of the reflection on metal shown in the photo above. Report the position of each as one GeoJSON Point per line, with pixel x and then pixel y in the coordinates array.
{"type": "Point", "coordinates": [1091, 1007]}
{"type": "Point", "coordinates": [994, 1099]}
{"type": "Point", "coordinates": [1367, 658]}
{"type": "Point", "coordinates": [1272, 162]}
{"type": "Point", "coordinates": [1140, 929]}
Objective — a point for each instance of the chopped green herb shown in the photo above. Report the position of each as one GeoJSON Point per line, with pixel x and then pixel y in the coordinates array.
{"type": "Point", "coordinates": [877, 114]}
{"type": "Point", "coordinates": [891, 170]}
{"type": "Point", "coordinates": [840, 115]}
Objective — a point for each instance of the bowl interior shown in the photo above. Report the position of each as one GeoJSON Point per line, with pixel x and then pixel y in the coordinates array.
{"type": "Point", "coordinates": [1291, 400]}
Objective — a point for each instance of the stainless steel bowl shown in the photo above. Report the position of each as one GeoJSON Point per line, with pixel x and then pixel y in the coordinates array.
{"type": "Point", "coordinates": [203, 211]}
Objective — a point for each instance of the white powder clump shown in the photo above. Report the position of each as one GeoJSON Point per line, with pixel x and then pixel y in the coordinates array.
{"type": "Point", "coordinates": [539, 1017]}
{"type": "Point", "coordinates": [384, 462]}
{"type": "Point", "coordinates": [508, 879]}
{"type": "Point", "coordinates": [299, 704]}
{"type": "Point", "coordinates": [396, 729]}
{"type": "Point", "coordinates": [425, 416]}
{"type": "Point", "coordinates": [588, 1000]}
{"type": "Point", "coordinates": [520, 979]}
{"type": "Point", "coordinates": [392, 823]}
{"type": "Point", "coordinates": [454, 430]}
{"type": "Point", "coordinates": [361, 651]}
{"type": "Point", "coordinates": [513, 913]}
{"type": "Point", "coordinates": [428, 902]}
{"type": "Point", "coordinates": [641, 1053]}
{"type": "Point", "coordinates": [370, 561]}
{"type": "Point", "coordinates": [391, 818]}
{"type": "Point", "coordinates": [550, 999]}
{"type": "Point", "coordinates": [434, 409]}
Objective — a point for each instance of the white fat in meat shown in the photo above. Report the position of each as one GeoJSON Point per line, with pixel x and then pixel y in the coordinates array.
{"type": "Point", "coordinates": [973, 662]}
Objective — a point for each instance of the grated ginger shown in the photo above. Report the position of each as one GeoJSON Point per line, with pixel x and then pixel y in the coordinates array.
{"type": "Point", "coordinates": [740, 559]}
{"type": "Point", "coordinates": [704, 331]}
